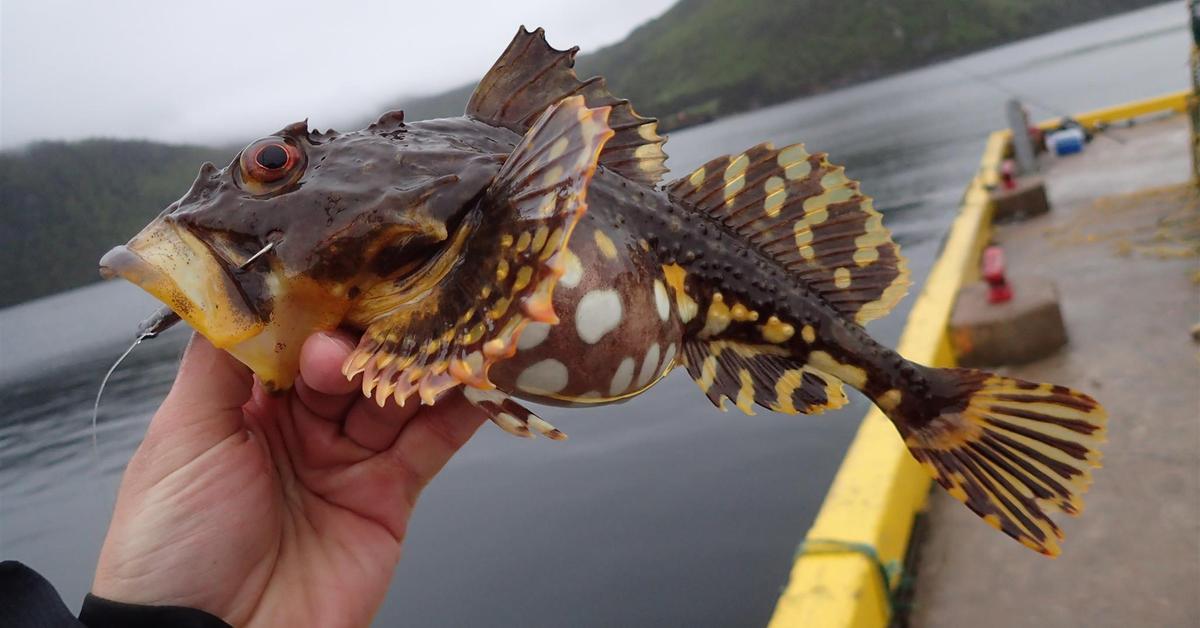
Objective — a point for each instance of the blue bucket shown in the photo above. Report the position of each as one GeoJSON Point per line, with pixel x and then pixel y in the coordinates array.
{"type": "Point", "coordinates": [1065, 142]}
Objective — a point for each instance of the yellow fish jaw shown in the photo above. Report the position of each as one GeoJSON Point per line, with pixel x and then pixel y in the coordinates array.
{"type": "Point", "coordinates": [176, 267]}
{"type": "Point", "coordinates": [181, 271]}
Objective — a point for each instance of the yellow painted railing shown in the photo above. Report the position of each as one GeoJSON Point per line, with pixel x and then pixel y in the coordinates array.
{"type": "Point", "coordinates": [879, 488]}
{"type": "Point", "coordinates": [1174, 102]}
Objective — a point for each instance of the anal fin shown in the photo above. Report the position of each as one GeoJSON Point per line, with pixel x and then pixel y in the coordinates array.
{"type": "Point", "coordinates": [761, 374]}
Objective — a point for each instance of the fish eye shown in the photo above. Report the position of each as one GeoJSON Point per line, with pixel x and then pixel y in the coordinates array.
{"type": "Point", "coordinates": [272, 157]}
{"type": "Point", "coordinates": [270, 160]}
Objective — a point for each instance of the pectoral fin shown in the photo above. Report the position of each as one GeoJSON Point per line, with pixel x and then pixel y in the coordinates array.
{"type": "Point", "coordinates": [465, 312]}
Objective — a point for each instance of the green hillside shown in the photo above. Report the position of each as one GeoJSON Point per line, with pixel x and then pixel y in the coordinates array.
{"type": "Point", "coordinates": [62, 205]}
{"type": "Point", "coordinates": [706, 58]}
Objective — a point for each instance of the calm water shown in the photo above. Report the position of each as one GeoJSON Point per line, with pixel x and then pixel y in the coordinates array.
{"type": "Point", "coordinates": [657, 512]}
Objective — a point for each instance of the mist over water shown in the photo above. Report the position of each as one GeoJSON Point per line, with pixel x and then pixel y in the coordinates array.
{"type": "Point", "coordinates": [657, 511]}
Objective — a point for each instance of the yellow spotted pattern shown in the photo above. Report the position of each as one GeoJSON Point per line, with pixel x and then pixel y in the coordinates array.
{"type": "Point", "coordinates": [717, 318]}
{"type": "Point", "coordinates": [889, 400]}
{"type": "Point", "coordinates": [777, 331]}
{"type": "Point", "coordinates": [685, 305]}
{"type": "Point", "coordinates": [605, 244]}
{"type": "Point", "coordinates": [841, 277]}
{"type": "Point", "coordinates": [853, 375]}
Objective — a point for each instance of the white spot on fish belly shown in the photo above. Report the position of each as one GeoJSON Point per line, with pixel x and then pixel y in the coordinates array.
{"type": "Point", "coordinates": [598, 313]}
{"type": "Point", "coordinates": [660, 300]}
{"type": "Point", "coordinates": [547, 376]}
{"type": "Point", "coordinates": [649, 366]}
{"type": "Point", "coordinates": [533, 335]}
{"type": "Point", "coordinates": [573, 272]}
{"type": "Point", "coordinates": [622, 378]}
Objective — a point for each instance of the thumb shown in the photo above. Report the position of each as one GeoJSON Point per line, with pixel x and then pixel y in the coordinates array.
{"type": "Point", "coordinates": [205, 402]}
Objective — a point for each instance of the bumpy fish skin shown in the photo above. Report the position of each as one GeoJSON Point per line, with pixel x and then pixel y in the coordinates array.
{"type": "Point", "coordinates": [527, 250]}
{"type": "Point", "coordinates": [359, 184]}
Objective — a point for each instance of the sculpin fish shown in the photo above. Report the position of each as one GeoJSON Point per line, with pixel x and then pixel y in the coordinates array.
{"type": "Point", "coordinates": [529, 249]}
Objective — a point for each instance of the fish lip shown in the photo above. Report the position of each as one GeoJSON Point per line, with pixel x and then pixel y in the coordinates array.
{"type": "Point", "coordinates": [121, 262]}
{"type": "Point", "coordinates": [116, 258]}
{"type": "Point", "coordinates": [179, 269]}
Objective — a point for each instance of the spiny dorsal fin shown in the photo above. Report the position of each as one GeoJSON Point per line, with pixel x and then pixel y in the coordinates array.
{"type": "Point", "coordinates": [761, 374]}
{"type": "Point", "coordinates": [447, 324]}
{"type": "Point", "coordinates": [530, 76]}
{"type": "Point", "coordinates": [805, 213]}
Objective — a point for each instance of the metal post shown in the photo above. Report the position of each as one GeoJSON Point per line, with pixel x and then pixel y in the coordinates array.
{"type": "Point", "coordinates": [1022, 145]}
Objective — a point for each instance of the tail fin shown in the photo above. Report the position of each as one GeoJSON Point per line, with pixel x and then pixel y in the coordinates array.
{"type": "Point", "coordinates": [1010, 448]}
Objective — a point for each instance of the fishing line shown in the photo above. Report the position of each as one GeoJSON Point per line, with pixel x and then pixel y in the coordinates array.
{"type": "Point", "coordinates": [152, 326]}
{"type": "Point", "coordinates": [99, 393]}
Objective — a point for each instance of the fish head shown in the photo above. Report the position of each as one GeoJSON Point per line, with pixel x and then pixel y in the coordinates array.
{"type": "Point", "coordinates": [285, 240]}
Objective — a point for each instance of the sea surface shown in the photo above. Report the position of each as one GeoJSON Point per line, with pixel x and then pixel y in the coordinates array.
{"type": "Point", "coordinates": [658, 512]}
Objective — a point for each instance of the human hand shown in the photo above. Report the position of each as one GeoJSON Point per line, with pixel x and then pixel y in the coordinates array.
{"type": "Point", "coordinates": [285, 510]}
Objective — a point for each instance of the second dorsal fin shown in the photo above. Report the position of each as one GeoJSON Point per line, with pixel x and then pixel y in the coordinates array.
{"type": "Point", "coordinates": [806, 214]}
{"type": "Point", "coordinates": [531, 76]}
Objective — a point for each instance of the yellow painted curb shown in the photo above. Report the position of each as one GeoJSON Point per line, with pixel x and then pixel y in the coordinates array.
{"type": "Point", "coordinates": [879, 487]}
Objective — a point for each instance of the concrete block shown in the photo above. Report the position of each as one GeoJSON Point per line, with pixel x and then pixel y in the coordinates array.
{"type": "Point", "coordinates": [1027, 328]}
{"type": "Point", "coordinates": [1026, 200]}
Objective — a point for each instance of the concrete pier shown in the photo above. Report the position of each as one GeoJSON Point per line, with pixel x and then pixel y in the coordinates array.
{"type": "Point", "coordinates": [1026, 200]}
{"type": "Point", "coordinates": [1025, 328]}
{"type": "Point", "coordinates": [1121, 245]}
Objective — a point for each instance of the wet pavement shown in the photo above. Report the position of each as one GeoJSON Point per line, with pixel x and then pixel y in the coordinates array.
{"type": "Point", "coordinates": [1121, 242]}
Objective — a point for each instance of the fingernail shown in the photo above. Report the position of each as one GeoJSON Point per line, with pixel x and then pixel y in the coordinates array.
{"type": "Point", "coordinates": [341, 342]}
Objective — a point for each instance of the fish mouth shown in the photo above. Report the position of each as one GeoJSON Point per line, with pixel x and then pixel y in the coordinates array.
{"type": "Point", "coordinates": [177, 268]}
{"type": "Point", "coordinates": [265, 333]}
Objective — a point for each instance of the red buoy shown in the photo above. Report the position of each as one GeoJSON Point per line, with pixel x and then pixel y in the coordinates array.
{"type": "Point", "coordinates": [1008, 174]}
{"type": "Point", "coordinates": [993, 274]}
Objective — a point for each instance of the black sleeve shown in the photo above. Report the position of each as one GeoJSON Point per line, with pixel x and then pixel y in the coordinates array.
{"type": "Point", "coordinates": [28, 600]}
{"type": "Point", "coordinates": [98, 612]}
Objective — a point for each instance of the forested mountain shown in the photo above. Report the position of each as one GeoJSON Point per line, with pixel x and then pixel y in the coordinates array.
{"type": "Point", "coordinates": [706, 58]}
{"type": "Point", "coordinates": [62, 205]}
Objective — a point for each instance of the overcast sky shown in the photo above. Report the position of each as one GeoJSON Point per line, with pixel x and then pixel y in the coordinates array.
{"type": "Point", "coordinates": [214, 71]}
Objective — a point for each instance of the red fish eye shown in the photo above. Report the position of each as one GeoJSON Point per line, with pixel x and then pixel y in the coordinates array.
{"type": "Point", "coordinates": [269, 160]}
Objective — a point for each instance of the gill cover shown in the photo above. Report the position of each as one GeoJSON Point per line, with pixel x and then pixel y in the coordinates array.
{"type": "Point", "coordinates": [448, 324]}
